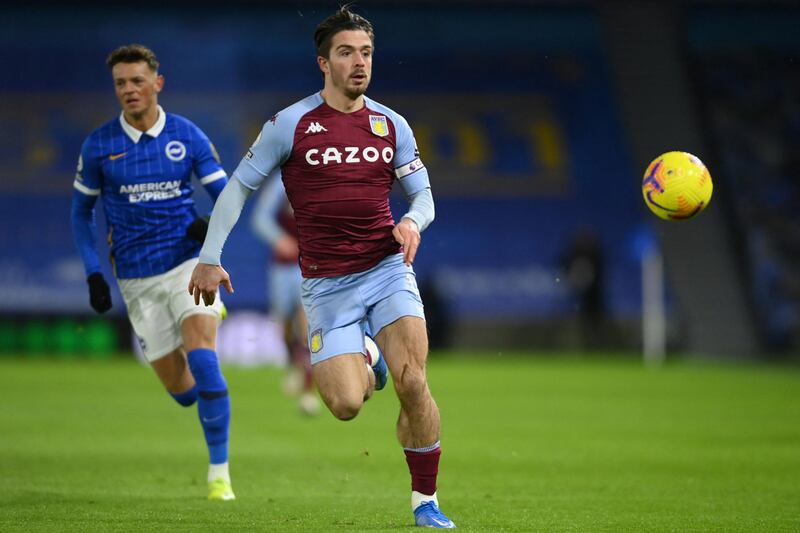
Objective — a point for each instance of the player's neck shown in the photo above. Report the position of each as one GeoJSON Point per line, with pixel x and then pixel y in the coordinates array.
{"type": "Point", "coordinates": [341, 102]}
{"type": "Point", "coordinates": [143, 121]}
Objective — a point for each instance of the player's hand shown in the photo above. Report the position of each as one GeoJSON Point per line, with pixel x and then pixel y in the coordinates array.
{"type": "Point", "coordinates": [198, 228]}
{"type": "Point", "coordinates": [99, 292]}
{"type": "Point", "coordinates": [286, 249]}
{"type": "Point", "coordinates": [407, 234]}
{"type": "Point", "coordinates": [205, 280]}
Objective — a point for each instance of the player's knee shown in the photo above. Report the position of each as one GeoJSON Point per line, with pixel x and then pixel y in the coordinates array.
{"type": "Point", "coordinates": [199, 331]}
{"type": "Point", "coordinates": [344, 407]}
{"type": "Point", "coordinates": [412, 382]}
{"type": "Point", "coordinates": [205, 369]}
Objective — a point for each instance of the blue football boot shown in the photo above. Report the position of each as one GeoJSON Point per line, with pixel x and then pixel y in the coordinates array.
{"type": "Point", "coordinates": [378, 363]}
{"type": "Point", "coordinates": [429, 515]}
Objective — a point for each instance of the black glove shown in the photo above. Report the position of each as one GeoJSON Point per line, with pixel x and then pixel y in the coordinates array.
{"type": "Point", "coordinates": [99, 293]}
{"type": "Point", "coordinates": [198, 228]}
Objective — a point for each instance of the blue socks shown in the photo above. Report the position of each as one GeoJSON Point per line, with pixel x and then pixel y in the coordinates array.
{"type": "Point", "coordinates": [213, 403]}
{"type": "Point", "coordinates": [187, 398]}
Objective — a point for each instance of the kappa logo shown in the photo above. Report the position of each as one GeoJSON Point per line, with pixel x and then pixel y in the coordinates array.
{"type": "Point", "coordinates": [315, 127]}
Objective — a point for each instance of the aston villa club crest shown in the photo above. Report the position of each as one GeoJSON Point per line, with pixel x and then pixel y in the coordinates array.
{"type": "Point", "coordinates": [378, 125]}
{"type": "Point", "coordinates": [316, 341]}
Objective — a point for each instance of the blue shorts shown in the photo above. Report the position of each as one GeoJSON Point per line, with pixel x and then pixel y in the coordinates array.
{"type": "Point", "coordinates": [341, 310]}
{"type": "Point", "coordinates": [284, 290]}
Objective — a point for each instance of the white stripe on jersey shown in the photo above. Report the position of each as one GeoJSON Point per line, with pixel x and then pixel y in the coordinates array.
{"type": "Point", "coordinates": [86, 190]}
{"type": "Point", "coordinates": [213, 177]}
{"type": "Point", "coordinates": [410, 168]}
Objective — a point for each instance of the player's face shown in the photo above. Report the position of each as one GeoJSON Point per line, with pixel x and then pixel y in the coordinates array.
{"type": "Point", "coordinates": [137, 87]}
{"type": "Point", "coordinates": [349, 65]}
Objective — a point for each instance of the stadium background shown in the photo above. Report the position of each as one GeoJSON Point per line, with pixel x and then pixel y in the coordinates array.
{"type": "Point", "coordinates": [536, 120]}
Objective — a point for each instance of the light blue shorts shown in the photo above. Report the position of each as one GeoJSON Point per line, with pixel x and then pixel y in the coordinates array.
{"type": "Point", "coordinates": [341, 310]}
{"type": "Point", "coordinates": [284, 290]}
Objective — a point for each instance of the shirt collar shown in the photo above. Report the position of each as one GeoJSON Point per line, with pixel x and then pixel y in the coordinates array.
{"type": "Point", "coordinates": [135, 134]}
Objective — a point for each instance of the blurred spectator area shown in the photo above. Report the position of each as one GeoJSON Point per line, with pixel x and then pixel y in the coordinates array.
{"type": "Point", "coordinates": [747, 70]}
{"type": "Point", "coordinates": [516, 116]}
{"type": "Point", "coordinates": [513, 110]}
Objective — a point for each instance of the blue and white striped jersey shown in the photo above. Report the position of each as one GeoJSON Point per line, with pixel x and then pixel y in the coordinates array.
{"type": "Point", "coordinates": [144, 179]}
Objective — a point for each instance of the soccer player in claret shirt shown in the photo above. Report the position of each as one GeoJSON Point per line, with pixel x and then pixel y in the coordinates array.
{"type": "Point", "coordinates": [338, 153]}
{"type": "Point", "coordinates": [141, 164]}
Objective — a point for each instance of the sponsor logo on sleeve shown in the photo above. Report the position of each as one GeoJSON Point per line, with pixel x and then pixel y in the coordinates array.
{"type": "Point", "coordinates": [79, 170]}
{"type": "Point", "coordinates": [214, 152]}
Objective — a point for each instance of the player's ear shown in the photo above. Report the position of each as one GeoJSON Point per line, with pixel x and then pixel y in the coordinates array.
{"type": "Point", "coordinates": [159, 83]}
{"type": "Point", "coordinates": [323, 65]}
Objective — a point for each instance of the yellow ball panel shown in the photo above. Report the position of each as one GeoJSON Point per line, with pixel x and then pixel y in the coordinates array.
{"type": "Point", "coordinates": [677, 186]}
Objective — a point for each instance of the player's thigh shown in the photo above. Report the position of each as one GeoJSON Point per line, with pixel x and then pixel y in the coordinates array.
{"type": "Point", "coordinates": [404, 343]}
{"type": "Point", "coordinates": [197, 323]}
{"type": "Point", "coordinates": [149, 313]}
{"type": "Point", "coordinates": [391, 293]}
{"type": "Point", "coordinates": [336, 317]}
{"type": "Point", "coordinates": [341, 378]}
{"type": "Point", "coordinates": [199, 331]}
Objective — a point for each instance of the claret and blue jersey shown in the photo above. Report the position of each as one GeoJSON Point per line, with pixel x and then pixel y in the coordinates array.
{"type": "Point", "coordinates": [145, 181]}
{"type": "Point", "coordinates": [338, 169]}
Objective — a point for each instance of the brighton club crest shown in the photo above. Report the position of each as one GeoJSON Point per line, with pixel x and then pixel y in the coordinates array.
{"type": "Point", "coordinates": [378, 125]}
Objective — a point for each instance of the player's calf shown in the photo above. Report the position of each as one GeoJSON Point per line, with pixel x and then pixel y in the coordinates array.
{"type": "Point", "coordinates": [213, 408]}
{"type": "Point", "coordinates": [187, 398]}
{"type": "Point", "coordinates": [412, 385]}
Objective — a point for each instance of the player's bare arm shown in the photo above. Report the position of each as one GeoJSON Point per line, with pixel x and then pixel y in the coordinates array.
{"type": "Point", "coordinates": [205, 280]}
{"type": "Point", "coordinates": [407, 234]}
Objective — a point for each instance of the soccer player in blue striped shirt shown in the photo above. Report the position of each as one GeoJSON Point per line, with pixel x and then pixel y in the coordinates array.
{"type": "Point", "coordinates": [141, 164]}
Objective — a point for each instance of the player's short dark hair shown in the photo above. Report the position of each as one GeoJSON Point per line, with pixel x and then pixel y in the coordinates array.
{"type": "Point", "coordinates": [342, 20]}
{"type": "Point", "coordinates": [133, 53]}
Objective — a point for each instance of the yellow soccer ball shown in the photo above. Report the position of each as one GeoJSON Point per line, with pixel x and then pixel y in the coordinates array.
{"type": "Point", "coordinates": [677, 186]}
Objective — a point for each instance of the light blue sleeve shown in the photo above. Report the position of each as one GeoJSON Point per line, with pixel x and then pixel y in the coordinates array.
{"type": "Point", "coordinates": [226, 212]}
{"type": "Point", "coordinates": [270, 149]}
{"type": "Point", "coordinates": [408, 166]}
{"type": "Point", "coordinates": [265, 214]}
{"type": "Point", "coordinates": [421, 209]}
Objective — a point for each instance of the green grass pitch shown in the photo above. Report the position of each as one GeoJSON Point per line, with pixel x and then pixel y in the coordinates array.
{"type": "Point", "coordinates": [529, 444]}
